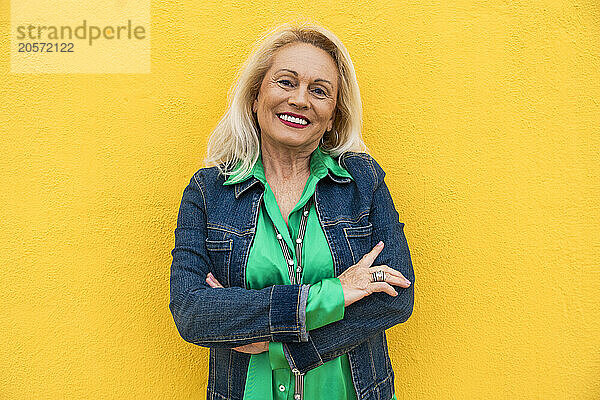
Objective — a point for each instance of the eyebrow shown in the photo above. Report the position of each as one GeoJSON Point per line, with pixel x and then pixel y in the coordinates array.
{"type": "Point", "coordinates": [296, 75]}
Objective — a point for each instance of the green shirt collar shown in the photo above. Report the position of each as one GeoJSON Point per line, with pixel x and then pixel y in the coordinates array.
{"type": "Point", "coordinates": [320, 162]}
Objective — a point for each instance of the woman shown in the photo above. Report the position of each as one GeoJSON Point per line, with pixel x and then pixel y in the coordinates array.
{"type": "Point", "coordinates": [279, 265]}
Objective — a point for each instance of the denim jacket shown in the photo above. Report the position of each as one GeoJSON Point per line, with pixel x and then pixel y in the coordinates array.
{"type": "Point", "coordinates": [215, 229]}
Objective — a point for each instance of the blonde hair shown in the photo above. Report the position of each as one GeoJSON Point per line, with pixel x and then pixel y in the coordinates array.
{"type": "Point", "coordinates": [236, 138]}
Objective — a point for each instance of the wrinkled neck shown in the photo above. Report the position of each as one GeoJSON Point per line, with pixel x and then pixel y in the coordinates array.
{"type": "Point", "coordinates": [285, 166]}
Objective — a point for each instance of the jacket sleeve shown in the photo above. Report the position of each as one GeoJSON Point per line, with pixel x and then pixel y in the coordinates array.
{"type": "Point", "coordinates": [325, 305]}
{"type": "Point", "coordinates": [225, 317]}
{"type": "Point", "coordinates": [374, 313]}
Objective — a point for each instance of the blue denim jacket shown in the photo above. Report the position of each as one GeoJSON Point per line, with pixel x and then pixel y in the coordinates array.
{"type": "Point", "coordinates": [215, 228]}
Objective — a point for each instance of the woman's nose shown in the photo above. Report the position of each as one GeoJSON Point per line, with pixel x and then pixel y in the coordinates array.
{"type": "Point", "coordinates": [299, 97]}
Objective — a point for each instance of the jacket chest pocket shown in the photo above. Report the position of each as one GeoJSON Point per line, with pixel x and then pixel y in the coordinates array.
{"type": "Point", "coordinates": [359, 240]}
{"type": "Point", "coordinates": [219, 252]}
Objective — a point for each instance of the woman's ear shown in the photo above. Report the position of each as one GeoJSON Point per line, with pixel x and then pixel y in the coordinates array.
{"type": "Point", "coordinates": [255, 105]}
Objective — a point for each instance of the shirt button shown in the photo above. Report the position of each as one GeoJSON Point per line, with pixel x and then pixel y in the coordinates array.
{"type": "Point", "coordinates": [298, 241]}
{"type": "Point", "coordinates": [281, 388]}
{"type": "Point", "coordinates": [291, 262]}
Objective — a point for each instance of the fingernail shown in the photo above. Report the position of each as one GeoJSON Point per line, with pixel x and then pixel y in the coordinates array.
{"type": "Point", "coordinates": [380, 243]}
{"type": "Point", "coordinates": [407, 281]}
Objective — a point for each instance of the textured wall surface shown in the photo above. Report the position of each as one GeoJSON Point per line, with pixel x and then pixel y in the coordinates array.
{"type": "Point", "coordinates": [485, 116]}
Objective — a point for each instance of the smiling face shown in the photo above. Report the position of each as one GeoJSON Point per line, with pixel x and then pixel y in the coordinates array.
{"type": "Point", "coordinates": [297, 97]}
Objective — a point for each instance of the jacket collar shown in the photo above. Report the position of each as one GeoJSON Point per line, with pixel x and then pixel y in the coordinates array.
{"type": "Point", "coordinates": [241, 187]}
{"type": "Point", "coordinates": [321, 164]}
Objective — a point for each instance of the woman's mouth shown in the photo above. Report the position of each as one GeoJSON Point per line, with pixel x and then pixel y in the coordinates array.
{"type": "Point", "coordinates": [294, 122]}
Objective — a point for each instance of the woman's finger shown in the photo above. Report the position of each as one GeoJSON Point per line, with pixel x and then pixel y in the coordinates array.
{"type": "Point", "coordinates": [212, 281]}
{"type": "Point", "coordinates": [240, 349]}
{"type": "Point", "coordinates": [383, 287]}
{"type": "Point", "coordinates": [394, 280]}
{"type": "Point", "coordinates": [253, 348]}
{"type": "Point", "coordinates": [392, 276]}
{"type": "Point", "coordinates": [368, 259]}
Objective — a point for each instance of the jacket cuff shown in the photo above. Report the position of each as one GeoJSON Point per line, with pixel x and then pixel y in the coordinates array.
{"type": "Point", "coordinates": [302, 356]}
{"type": "Point", "coordinates": [287, 314]}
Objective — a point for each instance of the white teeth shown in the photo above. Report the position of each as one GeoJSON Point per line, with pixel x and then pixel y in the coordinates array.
{"type": "Point", "coordinates": [295, 120]}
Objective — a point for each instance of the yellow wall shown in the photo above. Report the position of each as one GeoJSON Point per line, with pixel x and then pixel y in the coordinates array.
{"type": "Point", "coordinates": [485, 117]}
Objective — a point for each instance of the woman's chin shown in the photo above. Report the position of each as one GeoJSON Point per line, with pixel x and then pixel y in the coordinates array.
{"type": "Point", "coordinates": [290, 140]}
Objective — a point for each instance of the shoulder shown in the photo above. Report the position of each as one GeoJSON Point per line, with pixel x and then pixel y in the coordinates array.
{"type": "Point", "coordinates": [206, 184]}
{"type": "Point", "coordinates": [362, 166]}
{"type": "Point", "coordinates": [209, 181]}
{"type": "Point", "coordinates": [207, 176]}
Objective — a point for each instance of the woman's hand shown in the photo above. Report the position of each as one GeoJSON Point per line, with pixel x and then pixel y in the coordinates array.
{"type": "Point", "coordinates": [357, 280]}
{"type": "Point", "coordinates": [251, 348]}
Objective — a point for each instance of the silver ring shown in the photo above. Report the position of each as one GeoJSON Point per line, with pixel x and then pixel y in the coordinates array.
{"type": "Point", "coordinates": [378, 276]}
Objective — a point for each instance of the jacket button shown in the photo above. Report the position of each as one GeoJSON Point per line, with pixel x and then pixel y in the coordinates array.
{"type": "Point", "coordinates": [281, 388]}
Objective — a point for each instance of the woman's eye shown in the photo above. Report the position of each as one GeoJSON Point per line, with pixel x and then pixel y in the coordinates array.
{"type": "Point", "coordinates": [320, 92]}
{"type": "Point", "coordinates": [285, 82]}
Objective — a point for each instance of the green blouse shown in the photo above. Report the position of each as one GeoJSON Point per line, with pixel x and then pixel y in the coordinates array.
{"type": "Point", "coordinates": [269, 375]}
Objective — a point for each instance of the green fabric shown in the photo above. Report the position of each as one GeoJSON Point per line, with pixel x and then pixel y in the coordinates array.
{"type": "Point", "coordinates": [269, 370]}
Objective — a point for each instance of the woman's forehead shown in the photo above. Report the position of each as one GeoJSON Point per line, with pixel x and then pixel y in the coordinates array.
{"type": "Point", "coordinates": [305, 60]}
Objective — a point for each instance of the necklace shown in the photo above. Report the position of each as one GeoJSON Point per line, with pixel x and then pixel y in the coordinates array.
{"type": "Point", "coordinates": [294, 273]}
{"type": "Point", "coordinates": [295, 276]}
